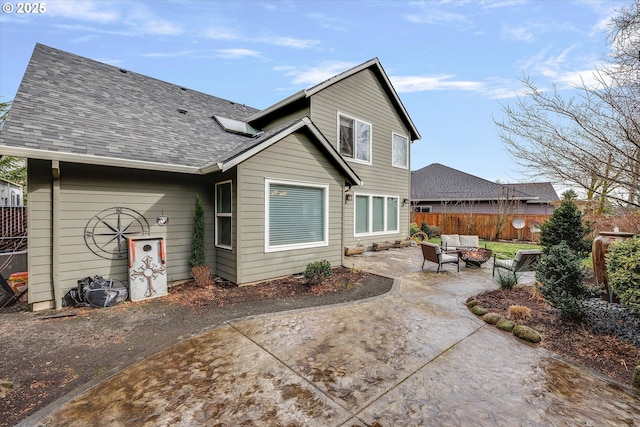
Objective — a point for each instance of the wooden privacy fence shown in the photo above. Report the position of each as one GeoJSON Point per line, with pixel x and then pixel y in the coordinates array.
{"type": "Point", "coordinates": [483, 225]}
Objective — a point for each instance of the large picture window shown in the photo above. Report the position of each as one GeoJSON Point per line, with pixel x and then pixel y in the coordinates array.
{"type": "Point", "coordinates": [296, 215]}
{"type": "Point", "coordinates": [223, 214]}
{"type": "Point", "coordinates": [376, 214]}
{"type": "Point", "coordinates": [354, 138]}
{"type": "Point", "coordinates": [400, 151]}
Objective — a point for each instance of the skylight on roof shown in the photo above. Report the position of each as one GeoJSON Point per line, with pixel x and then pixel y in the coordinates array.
{"type": "Point", "coordinates": [235, 126]}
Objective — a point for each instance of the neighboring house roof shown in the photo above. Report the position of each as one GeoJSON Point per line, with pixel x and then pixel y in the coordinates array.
{"type": "Point", "coordinates": [373, 64]}
{"type": "Point", "coordinates": [544, 191]}
{"type": "Point", "coordinates": [439, 182]}
{"type": "Point", "coordinates": [75, 109]}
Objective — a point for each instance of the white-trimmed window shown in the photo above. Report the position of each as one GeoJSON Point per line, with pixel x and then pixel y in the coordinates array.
{"type": "Point", "coordinates": [376, 214]}
{"type": "Point", "coordinates": [399, 150]}
{"type": "Point", "coordinates": [223, 214]}
{"type": "Point", "coordinates": [354, 139]}
{"type": "Point", "coordinates": [296, 215]}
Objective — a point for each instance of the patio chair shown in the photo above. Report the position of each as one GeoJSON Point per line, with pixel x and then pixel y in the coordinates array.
{"type": "Point", "coordinates": [432, 252]}
{"type": "Point", "coordinates": [525, 260]}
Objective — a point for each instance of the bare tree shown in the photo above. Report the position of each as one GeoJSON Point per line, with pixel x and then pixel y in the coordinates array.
{"type": "Point", "coordinates": [591, 140]}
{"type": "Point", "coordinates": [504, 206]}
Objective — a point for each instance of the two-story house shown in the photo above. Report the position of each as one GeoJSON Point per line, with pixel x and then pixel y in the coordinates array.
{"type": "Point", "coordinates": [114, 154]}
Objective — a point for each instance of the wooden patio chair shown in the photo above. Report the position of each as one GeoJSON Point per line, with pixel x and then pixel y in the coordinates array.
{"type": "Point", "coordinates": [432, 252]}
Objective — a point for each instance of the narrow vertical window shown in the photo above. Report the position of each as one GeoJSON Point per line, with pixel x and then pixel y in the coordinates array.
{"type": "Point", "coordinates": [362, 214]}
{"type": "Point", "coordinates": [392, 214]}
{"type": "Point", "coordinates": [346, 136]}
{"type": "Point", "coordinates": [377, 211]}
{"type": "Point", "coordinates": [223, 214]}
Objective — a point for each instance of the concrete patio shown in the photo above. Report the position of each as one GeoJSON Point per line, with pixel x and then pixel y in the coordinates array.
{"type": "Point", "coordinates": [412, 357]}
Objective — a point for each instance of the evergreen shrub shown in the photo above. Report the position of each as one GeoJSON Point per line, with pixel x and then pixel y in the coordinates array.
{"type": "Point", "coordinates": [623, 272]}
{"type": "Point", "coordinates": [562, 281]}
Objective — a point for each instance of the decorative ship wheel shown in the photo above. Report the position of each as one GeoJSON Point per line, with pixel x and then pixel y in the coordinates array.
{"type": "Point", "coordinates": [106, 233]}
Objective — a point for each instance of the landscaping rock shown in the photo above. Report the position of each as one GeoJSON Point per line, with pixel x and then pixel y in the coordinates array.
{"type": "Point", "coordinates": [505, 325]}
{"type": "Point", "coordinates": [491, 318]}
{"type": "Point", "coordinates": [472, 303]}
{"type": "Point", "coordinates": [526, 333]}
{"type": "Point", "coordinates": [479, 310]}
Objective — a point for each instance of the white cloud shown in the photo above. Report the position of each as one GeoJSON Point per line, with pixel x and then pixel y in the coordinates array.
{"type": "Point", "coordinates": [237, 53]}
{"type": "Point", "coordinates": [426, 83]}
{"type": "Point", "coordinates": [289, 42]}
{"type": "Point", "coordinates": [564, 69]}
{"type": "Point", "coordinates": [170, 54]}
{"type": "Point", "coordinates": [132, 19]}
{"type": "Point", "coordinates": [92, 11]}
{"type": "Point", "coordinates": [314, 75]}
{"type": "Point", "coordinates": [229, 34]}
{"type": "Point", "coordinates": [519, 33]}
{"type": "Point", "coordinates": [494, 4]}
{"type": "Point", "coordinates": [221, 34]}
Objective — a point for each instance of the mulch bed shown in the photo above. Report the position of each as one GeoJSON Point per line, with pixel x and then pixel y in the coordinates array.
{"type": "Point", "coordinates": [602, 353]}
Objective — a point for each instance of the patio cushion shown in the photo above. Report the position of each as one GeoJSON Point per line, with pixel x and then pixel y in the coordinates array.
{"type": "Point", "coordinates": [448, 258]}
{"type": "Point", "coordinates": [469, 241]}
{"type": "Point", "coordinates": [450, 241]}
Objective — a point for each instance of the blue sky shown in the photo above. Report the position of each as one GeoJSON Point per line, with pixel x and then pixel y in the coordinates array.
{"type": "Point", "coordinates": [452, 62]}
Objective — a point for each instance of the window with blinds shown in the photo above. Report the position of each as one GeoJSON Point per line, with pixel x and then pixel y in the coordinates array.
{"type": "Point", "coordinates": [297, 216]}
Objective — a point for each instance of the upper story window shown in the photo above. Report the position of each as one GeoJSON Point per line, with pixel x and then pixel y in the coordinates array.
{"type": "Point", "coordinates": [354, 139]}
{"type": "Point", "coordinates": [400, 151]}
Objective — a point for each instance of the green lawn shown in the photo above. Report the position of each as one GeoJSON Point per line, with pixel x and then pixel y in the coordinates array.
{"type": "Point", "coordinates": [505, 250]}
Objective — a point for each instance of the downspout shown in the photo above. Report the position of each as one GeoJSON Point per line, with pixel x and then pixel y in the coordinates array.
{"type": "Point", "coordinates": [55, 234]}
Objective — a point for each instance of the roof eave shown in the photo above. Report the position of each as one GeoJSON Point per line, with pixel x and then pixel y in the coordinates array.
{"type": "Point", "coordinates": [31, 153]}
{"type": "Point", "coordinates": [304, 122]}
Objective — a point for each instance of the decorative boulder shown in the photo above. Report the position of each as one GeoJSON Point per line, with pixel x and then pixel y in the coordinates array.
{"type": "Point", "coordinates": [526, 333]}
{"type": "Point", "coordinates": [479, 310]}
{"type": "Point", "coordinates": [505, 325]}
{"type": "Point", "coordinates": [491, 318]}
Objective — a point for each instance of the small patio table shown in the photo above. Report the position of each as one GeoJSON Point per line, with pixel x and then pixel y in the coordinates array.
{"type": "Point", "coordinates": [475, 257]}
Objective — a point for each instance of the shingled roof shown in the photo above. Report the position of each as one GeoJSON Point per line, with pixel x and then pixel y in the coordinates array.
{"type": "Point", "coordinates": [75, 109]}
{"type": "Point", "coordinates": [439, 182]}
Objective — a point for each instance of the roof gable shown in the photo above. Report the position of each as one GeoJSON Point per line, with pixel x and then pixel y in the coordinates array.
{"type": "Point", "coordinates": [374, 65]}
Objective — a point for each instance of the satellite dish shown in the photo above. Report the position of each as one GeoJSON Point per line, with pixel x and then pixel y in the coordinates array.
{"type": "Point", "coordinates": [518, 223]}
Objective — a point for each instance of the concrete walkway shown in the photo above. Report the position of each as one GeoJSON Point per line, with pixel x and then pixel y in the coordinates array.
{"type": "Point", "coordinates": [413, 357]}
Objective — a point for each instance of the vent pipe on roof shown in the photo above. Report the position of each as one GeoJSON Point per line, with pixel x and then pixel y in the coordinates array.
{"type": "Point", "coordinates": [182, 111]}
{"type": "Point", "coordinates": [123, 71]}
